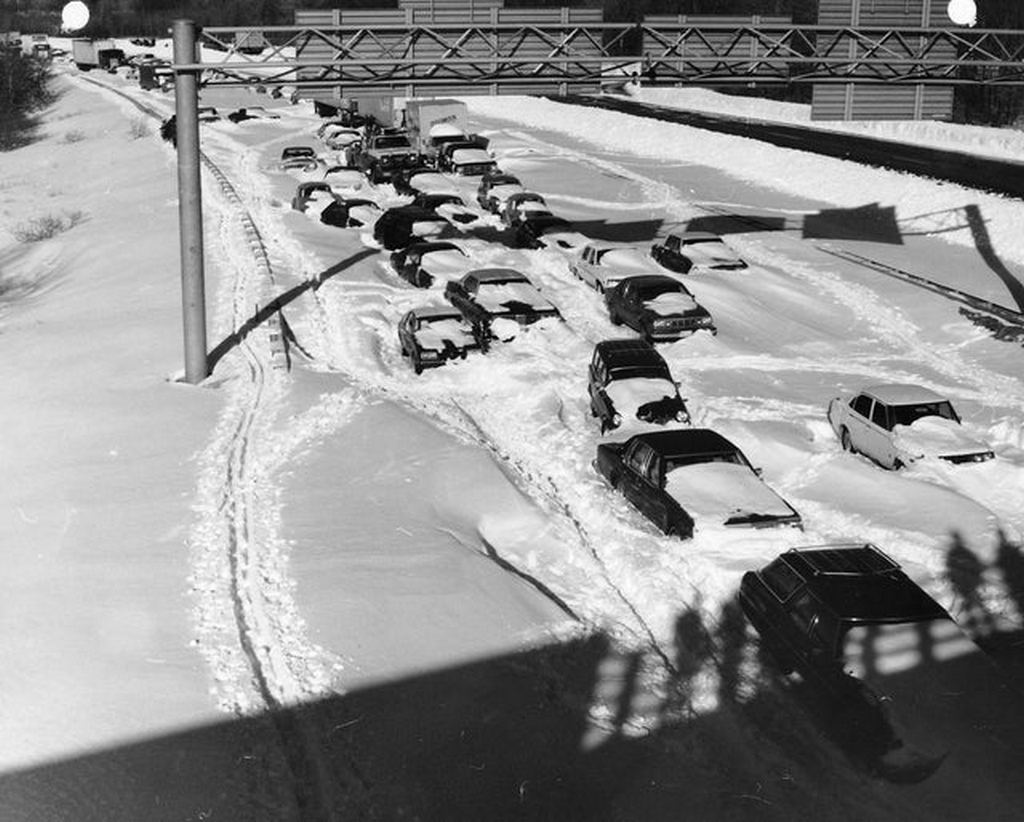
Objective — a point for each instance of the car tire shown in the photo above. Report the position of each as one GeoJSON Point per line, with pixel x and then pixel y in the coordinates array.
{"type": "Point", "coordinates": [897, 465]}
{"type": "Point", "coordinates": [845, 441]}
{"type": "Point", "coordinates": [417, 366]}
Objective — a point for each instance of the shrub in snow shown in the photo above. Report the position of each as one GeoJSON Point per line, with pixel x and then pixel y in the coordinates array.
{"type": "Point", "coordinates": [47, 226]}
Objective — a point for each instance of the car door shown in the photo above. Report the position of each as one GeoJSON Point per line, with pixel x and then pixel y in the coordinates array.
{"type": "Point", "coordinates": [636, 486]}
{"type": "Point", "coordinates": [876, 436]}
{"type": "Point", "coordinates": [599, 403]}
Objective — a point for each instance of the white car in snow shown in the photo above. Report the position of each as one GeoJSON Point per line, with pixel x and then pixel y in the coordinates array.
{"type": "Point", "coordinates": [602, 266]}
{"type": "Point", "coordinates": [897, 424]}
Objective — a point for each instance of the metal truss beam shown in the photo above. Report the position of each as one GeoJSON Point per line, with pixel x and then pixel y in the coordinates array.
{"type": "Point", "coordinates": [391, 56]}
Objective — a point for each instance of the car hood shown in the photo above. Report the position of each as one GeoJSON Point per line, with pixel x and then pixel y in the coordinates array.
{"type": "Point", "coordinates": [511, 298]}
{"type": "Point", "coordinates": [711, 254]}
{"type": "Point", "coordinates": [559, 237]}
{"type": "Point", "coordinates": [456, 213]}
{"type": "Point", "coordinates": [629, 395]}
{"type": "Point", "coordinates": [447, 262]}
{"type": "Point", "coordinates": [503, 192]}
{"type": "Point", "coordinates": [725, 493]}
{"type": "Point", "coordinates": [467, 156]}
{"type": "Point", "coordinates": [365, 214]}
{"type": "Point", "coordinates": [432, 183]}
{"type": "Point", "coordinates": [428, 228]}
{"type": "Point", "coordinates": [935, 437]}
{"type": "Point", "coordinates": [434, 336]}
{"type": "Point", "coordinates": [348, 180]}
{"type": "Point", "coordinates": [670, 304]}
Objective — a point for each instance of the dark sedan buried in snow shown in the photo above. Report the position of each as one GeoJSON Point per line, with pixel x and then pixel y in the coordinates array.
{"type": "Point", "coordinates": [497, 301]}
{"type": "Point", "coordinates": [677, 477]}
{"type": "Point", "coordinates": [658, 307]}
{"type": "Point", "coordinates": [695, 251]}
{"type": "Point", "coordinates": [432, 336]}
{"type": "Point", "coordinates": [424, 263]}
{"type": "Point", "coordinates": [630, 380]}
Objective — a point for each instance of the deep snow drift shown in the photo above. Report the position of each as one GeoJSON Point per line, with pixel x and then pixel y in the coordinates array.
{"type": "Point", "coordinates": [365, 524]}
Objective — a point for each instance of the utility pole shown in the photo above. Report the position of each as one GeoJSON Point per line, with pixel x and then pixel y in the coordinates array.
{"type": "Point", "coordinates": [190, 201]}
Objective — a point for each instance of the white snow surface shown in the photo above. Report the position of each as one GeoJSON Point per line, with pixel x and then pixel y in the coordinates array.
{"type": "Point", "coordinates": [362, 503]}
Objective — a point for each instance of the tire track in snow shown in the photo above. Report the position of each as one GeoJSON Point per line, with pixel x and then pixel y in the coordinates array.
{"type": "Point", "coordinates": [270, 667]}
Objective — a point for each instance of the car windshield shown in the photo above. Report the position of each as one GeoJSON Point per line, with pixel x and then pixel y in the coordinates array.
{"type": "Point", "coordinates": [697, 240]}
{"type": "Point", "coordinates": [683, 460]}
{"type": "Point", "coordinates": [907, 414]}
{"type": "Point", "coordinates": [649, 292]}
{"type": "Point", "coordinates": [392, 142]}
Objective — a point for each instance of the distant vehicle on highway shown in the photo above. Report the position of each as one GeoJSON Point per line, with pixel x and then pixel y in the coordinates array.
{"type": "Point", "coordinates": [450, 206]}
{"type": "Point", "coordinates": [602, 266]}
{"type": "Point", "coordinates": [421, 179]}
{"type": "Point", "coordinates": [432, 336]}
{"type": "Point", "coordinates": [629, 380]}
{"type": "Point", "coordinates": [497, 301]}
{"type": "Point", "coordinates": [302, 158]}
{"type": "Point", "coordinates": [404, 225]}
{"type": "Point", "coordinates": [345, 179]}
{"type": "Point", "coordinates": [312, 192]}
{"type": "Point", "coordinates": [897, 424]}
{"type": "Point", "coordinates": [545, 230]}
{"type": "Point", "coordinates": [681, 476]}
{"type": "Point", "coordinates": [423, 264]}
{"type": "Point", "coordinates": [696, 251]}
{"type": "Point", "coordinates": [657, 306]}
{"type": "Point", "coordinates": [495, 189]}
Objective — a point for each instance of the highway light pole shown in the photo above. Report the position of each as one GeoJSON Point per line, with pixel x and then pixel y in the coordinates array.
{"type": "Point", "coordinates": [190, 202]}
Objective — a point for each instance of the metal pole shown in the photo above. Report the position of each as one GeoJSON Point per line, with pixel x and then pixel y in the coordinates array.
{"type": "Point", "coordinates": [190, 202]}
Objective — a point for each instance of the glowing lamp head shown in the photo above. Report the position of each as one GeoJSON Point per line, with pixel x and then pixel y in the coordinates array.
{"type": "Point", "coordinates": [962, 12]}
{"type": "Point", "coordinates": [74, 16]}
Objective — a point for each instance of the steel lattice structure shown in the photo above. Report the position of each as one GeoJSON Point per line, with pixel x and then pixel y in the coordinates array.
{"type": "Point", "coordinates": [392, 56]}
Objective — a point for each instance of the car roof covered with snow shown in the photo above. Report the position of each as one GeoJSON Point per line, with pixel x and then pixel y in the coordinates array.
{"type": "Point", "coordinates": [900, 393]}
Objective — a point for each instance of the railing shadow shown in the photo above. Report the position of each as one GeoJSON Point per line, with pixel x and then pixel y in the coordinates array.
{"type": "Point", "coordinates": [277, 304]}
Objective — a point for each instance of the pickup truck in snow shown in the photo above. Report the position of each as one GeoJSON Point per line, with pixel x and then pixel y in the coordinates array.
{"type": "Point", "coordinates": [383, 155]}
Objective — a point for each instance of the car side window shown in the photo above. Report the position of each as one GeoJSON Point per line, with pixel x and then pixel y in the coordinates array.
{"type": "Point", "coordinates": [862, 405]}
{"type": "Point", "coordinates": [672, 243]}
{"type": "Point", "coordinates": [804, 610]}
{"type": "Point", "coordinates": [880, 415]}
{"type": "Point", "coordinates": [639, 457]}
{"type": "Point", "coordinates": [781, 579]}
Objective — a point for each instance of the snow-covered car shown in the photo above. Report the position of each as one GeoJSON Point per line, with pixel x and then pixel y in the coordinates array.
{"type": "Point", "coordinates": [301, 158]}
{"type": "Point", "coordinates": [495, 189]}
{"type": "Point", "coordinates": [522, 204]}
{"type": "Point", "coordinates": [432, 336]}
{"type": "Point", "coordinates": [628, 380]}
{"type": "Point", "coordinates": [252, 113]}
{"type": "Point", "coordinates": [883, 653]}
{"type": "Point", "coordinates": [207, 114]}
{"type": "Point", "coordinates": [695, 251]}
{"type": "Point", "coordinates": [339, 138]}
{"type": "Point", "coordinates": [450, 206]}
{"type": "Point", "coordinates": [679, 477]}
{"type": "Point", "coordinates": [658, 307]}
{"type": "Point", "coordinates": [345, 179]}
{"type": "Point", "coordinates": [350, 212]}
{"type": "Point", "coordinates": [896, 424]}
{"type": "Point", "coordinates": [313, 194]}
{"type": "Point", "coordinates": [470, 162]}
{"type": "Point", "coordinates": [404, 225]}
{"type": "Point", "coordinates": [422, 180]}
{"type": "Point", "coordinates": [545, 230]}
{"type": "Point", "coordinates": [603, 266]}
{"type": "Point", "coordinates": [497, 302]}
{"type": "Point", "coordinates": [423, 264]}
